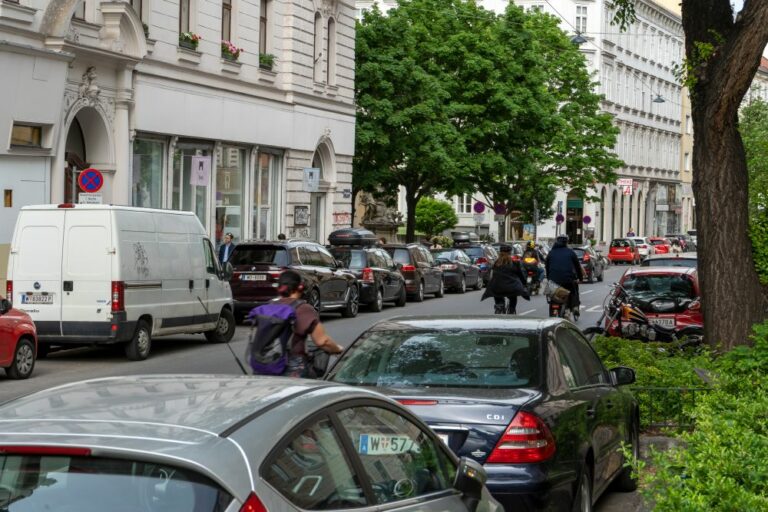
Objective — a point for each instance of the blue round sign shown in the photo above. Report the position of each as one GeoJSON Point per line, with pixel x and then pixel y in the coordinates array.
{"type": "Point", "coordinates": [586, 219]}
{"type": "Point", "coordinates": [90, 180]}
{"type": "Point", "coordinates": [559, 218]}
{"type": "Point", "coordinates": [479, 207]}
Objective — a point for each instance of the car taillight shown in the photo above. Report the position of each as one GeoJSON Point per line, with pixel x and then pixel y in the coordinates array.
{"type": "Point", "coordinates": [9, 290]}
{"type": "Point", "coordinates": [253, 504]}
{"type": "Point", "coordinates": [527, 439]}
{"type": "Point", "coordinates": [695, 306]}
{"type": "Point", "coordinates": [275, 275]}
{"type": "Point", "coordinates": [66, 451]}
{"type": "Point", "coordinates": [515, 258]}
{"type": "Point", "coordinates": [481, 260]}
{"type": "Point", "coordinates": [410, 401]}
{"type": "Point", "coordinates": [586, 257]}
{"type": "Point", "coordinates": [368, 275]}
{"type": "Point", "coordinates": [408, 268]}
{"type": "Point", "coordinates": [118, 296]}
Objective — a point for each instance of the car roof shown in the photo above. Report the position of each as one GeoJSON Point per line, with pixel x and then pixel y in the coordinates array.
{"type": "Point", "coordinates": [682, 255]}
{"type": "Point", "coordinates": [661, 270]}
{"type": "Point", "coordinates": [474, 322]}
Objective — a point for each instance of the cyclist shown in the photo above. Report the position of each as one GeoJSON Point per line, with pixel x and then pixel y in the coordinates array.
{"type": "Point", "coordinates": [563, 268]}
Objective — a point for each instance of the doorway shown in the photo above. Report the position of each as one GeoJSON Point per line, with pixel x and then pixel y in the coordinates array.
{"type": "Point", "coordinates": [75, 156]}
{"type": "Point", "coordinates": [573, 218]}
{"type": "Point", "coordinates": [316, 216]}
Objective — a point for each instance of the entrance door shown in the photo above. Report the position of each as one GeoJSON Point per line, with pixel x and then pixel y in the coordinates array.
{"type": "Point", "coordinates": [316, 218]}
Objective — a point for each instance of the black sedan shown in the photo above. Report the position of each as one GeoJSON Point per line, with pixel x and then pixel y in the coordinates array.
{"type": "Point", "coordinates": [590, 262]}
{"type": "Point", "coordinates": [377, 274]}
{"type": "Point", "coordinates": [529, 399]}
{"type": "Point", "coordinates": [458, 270]}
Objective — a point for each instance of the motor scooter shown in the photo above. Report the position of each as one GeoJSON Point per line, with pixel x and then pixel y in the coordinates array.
{"type": "Point", "coordinates": [531, 269]}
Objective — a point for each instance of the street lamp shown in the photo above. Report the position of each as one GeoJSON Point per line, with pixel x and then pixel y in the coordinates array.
{"type": "Point", "coordinates": [578, 39]}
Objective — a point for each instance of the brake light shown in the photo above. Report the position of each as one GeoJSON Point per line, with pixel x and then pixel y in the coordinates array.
{"type": "Point", "coordinates": [236, 276]}
{"type": "Point", "coordinates": [586, 257]}
{"type": "Point", "coordinates": [515, 258]}
{"type": "Point", "coordinates": [118, 296]}
{"type": "Point", "coordinates": [408, 268]}
{"type": "Point", "coordinates": [695, 306]}
{"type": "Point", "coordinates": [527, 439]}
{"type": "Point", "coordinates": [368, 275]}
{"type": "Point", "coordinates": [67, 451]}
{"type": "Point", "coordinates": [9, 290]}
{"type": "Point", "coordinates": [253, 504]}
{"type": "Point", "coordinates": [481, 260]}
{"type": "Point", "coordinates": [410, 401]}
{"type": "Point", "coordinates": [275, 275]}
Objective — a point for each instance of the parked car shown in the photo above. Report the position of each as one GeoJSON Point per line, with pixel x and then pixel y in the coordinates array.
{"type": "Point", "coordinates": [694, 236]}
{"type": "Point", "coordinates": [644, 246]}
{"type": "Point", "coordinates": [590, 262]}
{"type": "Point", "coordinates": [482, 255]}
{"type": "Point", "coordinates": [669, 296]}
{"type": "Point", "coordinates": [661, 245]}
{"type": "Point", "coordinates": [378, 275]}
{"type": "Point", "coordinates": [458, 270]}
{"type": "Point", "coordinates": [422, 275]}
{"type": "Point", "coordinates": [681, 259]}
{"type": "Point", "coordinates": [685, 241]}
{"type": "Point", "coordinates": [528, 399]}
{"type": "Point", "coordinates": [623, 250]}
{"type": "Point", "coordinates": [183, 443]}
{"type": "Point", "coordinates": [103, 274]}
{"type": "Point", "coordinates": [257, 266]}
{"type": "Point", "coordinates": [18, 341]}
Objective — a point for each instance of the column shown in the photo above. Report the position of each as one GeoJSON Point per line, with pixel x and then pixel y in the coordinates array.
{"type": "Point", "coordinates": [121, 186]}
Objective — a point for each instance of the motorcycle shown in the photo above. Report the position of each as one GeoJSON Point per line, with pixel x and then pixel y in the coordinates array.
{"type": "Point", "coordinates": [531, 268]}
{"type": "Point", "coordinates": [623, 318]}
{"type": "Point", "coordinates": [558, 302]}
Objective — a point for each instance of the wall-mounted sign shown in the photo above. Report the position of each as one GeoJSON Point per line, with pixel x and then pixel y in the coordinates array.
{"type": "Point", "coordinates": [311, 179]}
{"type": "Point", "coordinates": [586, 219]}
{"type": "Point", "coordinates": [200, 175]}
{"type": "Point", "coordinates": [346, 193]}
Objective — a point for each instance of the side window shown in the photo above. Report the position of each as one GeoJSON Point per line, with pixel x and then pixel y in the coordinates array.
{"type": "Point", "coordinates": [386, 259]}
{"type": "Point", "coordinates": [310, 256]}
{"type": "Point", "coordinates": [325, 258]}
{"type": "Point", "coordinates": [399, 458]}
{"type": "Point", "coordinates": [427, 256]}
{"type": "Point", "coordinates": [581, 365]}
{"type": "Point", "coordinates": [416, 255]}
{"type": "Point", "coordinates": [211, 265]}
{"type": "Point", "coordinates": [374, 260]}
{"type": "Point", "coordinates": [313, 473]}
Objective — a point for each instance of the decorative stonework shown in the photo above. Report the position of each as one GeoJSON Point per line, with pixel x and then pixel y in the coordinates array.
{"type": "Point", "coordinates": [89, 94]}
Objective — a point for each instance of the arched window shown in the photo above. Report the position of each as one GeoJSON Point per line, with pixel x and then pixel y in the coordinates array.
{"type": "Point", "coordinates": [318, 49]}
{"type": "Point", "coordinates": [331, 52]}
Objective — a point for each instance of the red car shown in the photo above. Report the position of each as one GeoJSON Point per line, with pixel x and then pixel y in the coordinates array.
{"type": "Point", "coordinates": [624, 250]}
{"type": "Point", "coordinates": [669, 296]}
{"type": "Point", "coordinates": [18, 341]}
{"type": "Point", "coordinates": [661, 245]}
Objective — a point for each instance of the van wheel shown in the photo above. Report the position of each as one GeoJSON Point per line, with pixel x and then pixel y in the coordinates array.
{"type": "Point", "coordinates": [23, 360]}
{"type": "Point", "coordinates": [138, 348]}
{"type": "Point", "coordinates": [419, 295]}
{"type": "Point", "coordinates": [225, 328]}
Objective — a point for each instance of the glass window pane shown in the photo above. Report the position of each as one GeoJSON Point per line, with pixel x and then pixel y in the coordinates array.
{"type": "Point", "coordinates": [24, 135]}
{"type": "Point", "coordinates": [190, 189]}
{"type": "Point", "coordinates": [399, 458]}
{"type": "Point", "coordinates": [184, 15]}
{"type": "Point", "coordinates": [230, 173]}
{"type": "Point", "coordinates": [262, 197]}
{"type": "Point", "coordinates": [581, 365]}
{"type": "Point", "coordinates": [313, 473]}
{"type": "Point", "coordinates": [148, 173]}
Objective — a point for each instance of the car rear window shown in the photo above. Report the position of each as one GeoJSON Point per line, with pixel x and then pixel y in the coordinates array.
{"type": "Point", "coordinates": [647, 286]}
{"type": "Point", "coordinates": [444, 255]}
{"type": "Point", "coordinates": [33, 483]}
{"type": "Point", "coordinates": [401, 256]}
{"type": "Point", "coordinates": [474, 252]}
{"type": "Point", "coordinates": [579, 253]}
{"type": "Point", "coordinates": [670, 262]}
{"type": "Point", "coordinates": [660, 241]}
{"type": "Point", "coordinates": [461, 359]}
{"type": "Point", "coordinates": [620, 243]}
{"type": "Point", "coordinates": [353, 258]}
{"type": "Point", "coordinates": [252, 255]}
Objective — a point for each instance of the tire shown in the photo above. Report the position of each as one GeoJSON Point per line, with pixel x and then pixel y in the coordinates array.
{"type": "Point", "coordinates": [582, 499]}
{"type": "Point", "coordinates": [625, 482]}
{"type": "Point", "coordinates": [591, 276]}
{"type": "Point", "coordinates": [462, 288]}
{"type": "Point", "coordinates": [419, 295]}
{"type": "Point", "coordinates": [402, 297]}
{"type": "Point", "coordinates": [440, 289]}
{"type": "Point", "coordinates": [378, 303]}
{"type": "Point", "coordinates": [601, 276]}
{"type": "Point", "coordinates": [314, 299]}
{"type": "Point", "coordinates": [140, 345]}
{"type": "Point", "coordinates": [23, 360]}
{"type": "Point", "coordinates": [479, 283]}
{"type": "Point", "coordinates": [225, 328]}
{"type": "Point", "coordinates": [353, 303]}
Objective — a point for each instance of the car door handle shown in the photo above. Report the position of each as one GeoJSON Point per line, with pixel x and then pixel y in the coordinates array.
{"type": "Point", "coordinates": [207, 283]}
{"type": "Point", "coordinates": [191, 284]}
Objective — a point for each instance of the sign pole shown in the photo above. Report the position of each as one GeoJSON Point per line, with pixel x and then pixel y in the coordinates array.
{"type": "Point", "coordinates": [74, 185]}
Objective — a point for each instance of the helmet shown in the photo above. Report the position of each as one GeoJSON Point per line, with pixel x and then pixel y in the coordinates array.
{"type": "Point", "coordinates": [563, 239]}
{"type": "Point", "coordinates": [531, 244]}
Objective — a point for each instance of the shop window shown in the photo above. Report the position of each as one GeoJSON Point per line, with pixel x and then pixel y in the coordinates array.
{"type": "Point", "coordinates": [230, 170]}
{"type": "Point", "coordinates": [148, 173]}
{"type": "Point", "coordinates": [26, 135]}
{"type": "Point", "coordinates": [265, 188]}
{"type": "Point", "coordinates": [191, 179]}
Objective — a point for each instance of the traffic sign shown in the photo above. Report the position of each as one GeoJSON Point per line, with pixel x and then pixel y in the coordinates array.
{"type": "Point", "coordinates": [559, 218]}
{"type": "Point", "coordinates": [90, 180]}
{"type": "Point", "coordinates": [89, 198]}
{"type": "Point", "coordinates": [586, 219]}
{"type": "Point", "coordinates": [479, 207]}
{"type": "Point", "coordinates": [500, 209]}
{"type": "Point", "coordinates": [479, 218]}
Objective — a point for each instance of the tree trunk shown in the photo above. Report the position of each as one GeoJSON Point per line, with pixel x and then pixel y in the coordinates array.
{"type": "Point", "coordinates": [410, 221]}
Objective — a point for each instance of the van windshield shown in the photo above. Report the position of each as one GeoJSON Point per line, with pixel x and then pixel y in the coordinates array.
{"type": "Point", "coordinates": [256, 254]}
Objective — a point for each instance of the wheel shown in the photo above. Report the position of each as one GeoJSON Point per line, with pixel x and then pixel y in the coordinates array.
{"type": "Point", "coordinates": [225, 328]}
{"type": "Point", "coordinates": [314, 299]}
{"type": "Point", "coordinates": [591, 276]}
{"type": "Point", "coordinates": [402, 297]}
{"type": "Point", "coordinates": [462, 285]}
{"type": "Point", "coordinates": [23, 360]}
{"type": "Point", "coordinates": [440, 290]}
{"type": "Point", "coordinates": [378, 303]}
{"type": "Point", "coordinates": [419, 296]}
{"type": "Point", "coordinates": [626, 481]}
{"type": "Point", "coordinates": [479, 283]}
{"type": "Point", "coordinates": [600, 277]}
{"type": "Point", "coordinates": [138, 348]}
{"type": "Point", "coordinates": [582, 500]}
{"type": "Point", "coordinates": [353, 303]}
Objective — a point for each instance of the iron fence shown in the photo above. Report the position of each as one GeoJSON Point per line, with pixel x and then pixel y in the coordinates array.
{"type": "Point", "coordinates": [667, 407]}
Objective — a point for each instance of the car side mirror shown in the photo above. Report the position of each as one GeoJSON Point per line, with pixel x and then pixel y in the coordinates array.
{"type": "Point", "coordinates": [623, 376]}
{"type": "Point", "coordinates": [470, 479]}
{"type": "Point", "coordinates": [5, 306]}
{"type": "Point", "coordinates": [227, 271]}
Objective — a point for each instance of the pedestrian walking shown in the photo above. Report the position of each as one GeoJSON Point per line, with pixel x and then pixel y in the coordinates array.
{"type": "Point", "coordinates": [506, 283]}
{"type": "Point", "coordinates": [631, 232]}
{"type": "Point", "coordinates": [225, 250]}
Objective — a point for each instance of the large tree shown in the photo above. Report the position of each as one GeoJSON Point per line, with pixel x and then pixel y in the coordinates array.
{"type": "Point", "coordinates": [723, 53]}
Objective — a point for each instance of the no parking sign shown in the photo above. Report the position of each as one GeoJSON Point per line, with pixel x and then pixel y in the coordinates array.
{"type": "Point", "coordinates": [90, 180]}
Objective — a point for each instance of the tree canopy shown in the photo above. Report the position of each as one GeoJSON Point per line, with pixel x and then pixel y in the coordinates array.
{"type": "Point", "coordinates": [434, 216]}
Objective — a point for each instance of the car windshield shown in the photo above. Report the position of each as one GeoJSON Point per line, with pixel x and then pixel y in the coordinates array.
{"type": "Point", "coordinates": [670, 262]}
{"type": "Point", "coordinates": [401, 256]}
{"type": "Point", "coordinates": [620, 243]}
{"type": "Point", "coordinates": [460, 359]}
{"type": "Point", "coordinates": [33, 483]}
{"type": "Point", "coordinates": [646, 286]}
{"type": "Point", "coordinates": [252, 255]}
{"type": "Point", "coordinates": [354, 258]}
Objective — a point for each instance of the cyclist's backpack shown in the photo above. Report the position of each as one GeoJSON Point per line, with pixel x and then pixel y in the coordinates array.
{"type": "Point", "coordinates": [270, 343]}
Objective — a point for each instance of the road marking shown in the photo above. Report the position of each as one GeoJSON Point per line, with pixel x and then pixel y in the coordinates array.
{"type": "Point", "coordinates": [595, 309]}
{"type": "Point", "coordinates": [526, 312]}
{"type": "Point", "coordinates": [587, 292]}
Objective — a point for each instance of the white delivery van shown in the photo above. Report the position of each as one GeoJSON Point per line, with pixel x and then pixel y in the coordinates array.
{"type": "Point", "coordinates": [90, 274]}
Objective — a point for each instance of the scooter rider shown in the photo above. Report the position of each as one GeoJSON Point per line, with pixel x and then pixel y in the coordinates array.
{"type": "Point", "coordinates": [532, 252]}
{"type": "Point", "coordinates": [563, 267]}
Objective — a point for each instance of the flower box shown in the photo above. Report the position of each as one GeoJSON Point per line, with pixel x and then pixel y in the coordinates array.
{"type": "Point", "coordinates": [189, 40]}
{"type": "Point", "coordinates": [266, 61]}
{"type": "Point", "coordinates": [229, 51]}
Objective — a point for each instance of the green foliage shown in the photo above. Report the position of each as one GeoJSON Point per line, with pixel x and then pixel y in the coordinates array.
{"type": "Point", "coordinates": [442, 241]}
{"type": "Point", "coordinates": [434, 216]}
{"type": "Point", "coordinates": [753, 125]}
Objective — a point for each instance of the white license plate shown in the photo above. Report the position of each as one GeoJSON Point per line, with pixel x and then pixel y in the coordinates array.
{"type": "Point", "coordinates": [253, 277]}
{"type": "Point", "coordinates": [379, 444]}
{"type": "Point", "coordinates": [664, 322]}
{"type": "Point", "coordinates": [620, 250]}
{"type": "Point", "coordinates": [36, 298]}
{"type": "Point", "coordinates": [443, 438]}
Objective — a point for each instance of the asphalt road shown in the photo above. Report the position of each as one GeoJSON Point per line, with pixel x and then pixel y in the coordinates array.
{"type": "Point", "coordinates": [192, 354]}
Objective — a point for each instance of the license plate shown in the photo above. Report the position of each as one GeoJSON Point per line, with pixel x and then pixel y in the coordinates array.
{"type": "Point", "coordinates": [253, 277]}
{"type": "Point", "coordinates": [443, 438]}
{"type": "Point", "coordinates": [379, 444]}
{"type": "Point", "coordinates": [36, 298]}
{"type": "Point", "coordinates": [664, 322]}
{"type": "Point", "coordinates": [620, 250]}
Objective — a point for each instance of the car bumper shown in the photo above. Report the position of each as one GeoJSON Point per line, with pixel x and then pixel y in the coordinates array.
{"type": "Point", "coordinates": [243, 307]}
{"type": "Point", "coordinates": [530, 487]}
{"type": "Point", "coordinates": [621, 257]}
{"type": "Point", "coordinates": [451, 279]}
{"type": "Point", "coordinates": [84, 333]}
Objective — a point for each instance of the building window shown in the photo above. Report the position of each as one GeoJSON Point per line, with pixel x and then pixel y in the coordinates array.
{"type": "Point", "coordinates": [265, 181]}
{"type": "Point", "coordinates": [688, 128]}
{"type": "Point", "coordinates": [79, 11]}
{"type": "Point", "coordinates": [26, 135]}
{"type": "Point", "coordinates": [184, 16]}
{"type": "Point", "coordinates": [465, 203]}
{"type": "Point", "coordinates": [318, 49]}
{"type": "Point", "coordinates": [191, 179]}
{"type": "Point", "coordinates": [263, 30]}
{"type": "Point", "coordinates": [226, 20]}
{"type": "Point", "coordinates": [147, 187]}
{"type": "Point", "coordinates": [230, 174]}
{"type": "Point", "coordinates": [142, 9]}
{"type": "Point", "coordinates": [331, 52]}
{"type": "Point", "coordinates": [581, 18]}
{"type": "Point", "coordinates": [687, 161]}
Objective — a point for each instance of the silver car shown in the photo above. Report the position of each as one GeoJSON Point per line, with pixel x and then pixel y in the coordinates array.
{"type": "Point", "coordinates": [198, 443]}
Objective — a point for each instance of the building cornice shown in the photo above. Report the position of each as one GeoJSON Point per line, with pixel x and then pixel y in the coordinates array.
{"type": "Point", "coordinates": [36, 51]}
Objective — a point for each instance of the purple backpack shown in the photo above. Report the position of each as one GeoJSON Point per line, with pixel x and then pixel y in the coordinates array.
{"type": "Point", "coordinates": [270, 344]}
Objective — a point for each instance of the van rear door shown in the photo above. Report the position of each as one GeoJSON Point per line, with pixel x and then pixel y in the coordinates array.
{"type": "Point", "coordinates": [87, 273]}
{"type": "Point", "coordinates": [36, 268]}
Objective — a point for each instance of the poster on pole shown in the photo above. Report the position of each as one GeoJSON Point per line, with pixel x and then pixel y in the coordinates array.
{"type": "Point", "coordinates": [200, 175]}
